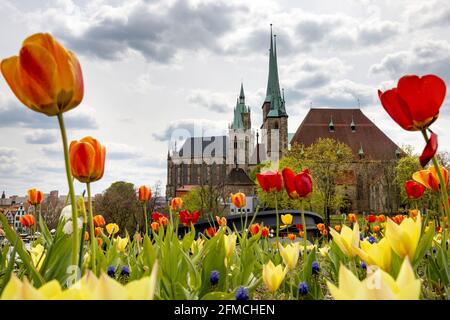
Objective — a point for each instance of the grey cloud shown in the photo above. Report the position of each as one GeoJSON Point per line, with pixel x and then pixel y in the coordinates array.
{"type": "Point", "coordinates": [423, 58]}
{"type": "Point", "coordinates": [158, 36]}
{"type": "Point", "coordinates": [40, 137]}
{"type": "Point", "coordinates": [14, 115]}
{"type": "Point", "coordinates": [122, 152]}
{"type": "Point", "coordinates": [182, 129]}
{"type": "Point", "coordinates": [429, 14]}
{"type": "Point", "coordinates": [7, 152]}
{"type": "Point", "coordinates": [204, 100]}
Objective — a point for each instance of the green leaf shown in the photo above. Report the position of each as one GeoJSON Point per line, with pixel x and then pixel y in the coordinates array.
{"type": "Point", "coordinates": [19, 246]}
{"type": "Point", "coordinates": [9, 270]}
{"type": "Point", "coordinates": [424, 245]}
{"type": "Point", "coordinates": [219, 296]}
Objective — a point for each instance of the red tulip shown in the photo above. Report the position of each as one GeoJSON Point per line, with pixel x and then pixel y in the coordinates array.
{"type": "Point", "coordinates": [270, 181]}
{"type": "Point", "coordinates": [156, 216]}
{"type": "Point", "coordinates": [27, 220]}
{"type": "Point", "coordinates": [430, 150]}
{"type": "Point", "coordinates": [265, 232]}
{"type": "Point", "coordinates": [416, 101]}
{"type": "Point", "coordinates": [299, 226]}
{"type": "Point", "coordinates": [371, 218]}
{"type": "Point", "coordinates": [414, 190]}
{"type": "Point", "coordinates": [187, 218]}
{"type": "Point", "coordinates": [144, 194]}
{"type": "Point", "coordinates": [254, 229]}
{"type": "Point", "coordinates": [297, 186]}
{"type": "Point", "coordinates": [211, 231]}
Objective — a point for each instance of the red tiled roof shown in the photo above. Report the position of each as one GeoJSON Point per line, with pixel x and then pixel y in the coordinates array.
{"type": "Point", "coordinates": [375, 144]}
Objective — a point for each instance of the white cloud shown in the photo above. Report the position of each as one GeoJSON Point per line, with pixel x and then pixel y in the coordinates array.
{"type": "Point", "coordinates": [40, 136]}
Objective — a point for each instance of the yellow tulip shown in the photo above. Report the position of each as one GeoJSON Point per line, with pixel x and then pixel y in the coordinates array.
{"type": "Point", "coordinates": [37, 256]}
{"type": "Point", "coordinates": [89, 287]}
{"type": "Point", "coordinates": [273, 275]}
{"type": "Point", "coordinates": [121, 243]}
{"type": "Point", "coordinates": [23, 290]}
{"type": "Point", "coordinates": [287, 219]}
{"type": "Point", "coordinates": [197, 245]}
{"type": "Point", "coordinates": [112, 228]}
{"type": "Point", "coordinates": [230, 244]}
{"type": "Point", "coordinates": [324, 251]}
{"type": "Point", "coordinates": [290, 254]}
{"type": "Point", "coordinates": [405, 237]}
{"type": "Point", "coordinates": [377, 286]}
{"type": "Point", "coordinates": [347, 240]}
{"type": "Point", "coordinates": [378, 254]}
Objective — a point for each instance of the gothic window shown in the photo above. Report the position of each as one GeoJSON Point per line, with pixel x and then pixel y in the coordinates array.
{"type": "Point", "coordinates": [276, 125]}
{"type": "Point", "coordinates": [185, 174]}
{"type": "Point", "coordinates": [359, 188]}
{"type": "Point", "coordinates": [246, 150]}
{"type": "Point", "coordinates": [178, 168]}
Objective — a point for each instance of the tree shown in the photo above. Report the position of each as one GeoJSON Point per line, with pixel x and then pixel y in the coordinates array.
{"type": "Point", "coordinates": [119, 204]}
{"type": "Point", "coordinates": [206, 199]}
{"type": "Point", "coordinates": [327, 159]}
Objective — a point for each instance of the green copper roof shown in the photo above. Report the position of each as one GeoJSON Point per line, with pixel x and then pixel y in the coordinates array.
{"type": "Point", "coordinates": [240, 108]}
{"type": "Point", "coordinates": [273, 94]}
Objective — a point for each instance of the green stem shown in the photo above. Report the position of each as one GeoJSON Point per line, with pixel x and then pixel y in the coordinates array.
{"type": "Point", "coordinates": [442, 184]}
{"type": "Point", "coordinates": [278, 219]}
{"type": "Point", "coordinates": [304, 226]}
{"type": "Point", "coordinates": [92, 230]}
{"type": "Point", "coordinates": [71, 191]}
{"type": "Point", "coordinates": [145, 218]}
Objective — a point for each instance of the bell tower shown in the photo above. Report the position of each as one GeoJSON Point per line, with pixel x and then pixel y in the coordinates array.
{"type": "Point", "coordinates": [275, 124]}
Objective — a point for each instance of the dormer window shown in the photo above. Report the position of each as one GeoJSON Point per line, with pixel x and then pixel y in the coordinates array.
{"type": "Point", "coordinates": [361, 153]}
{"type": "Point", "coordinates": [331, 125]}
{"type": "Point", "coordinates": [398, 153]}
{"type": "Point", "coordinates": [353, 126]}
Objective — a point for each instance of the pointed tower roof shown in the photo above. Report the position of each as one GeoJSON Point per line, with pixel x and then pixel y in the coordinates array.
{"type": "Point", "coordinates": [240, 108]}
{"type": "Point", "coordinates": [273, 94]}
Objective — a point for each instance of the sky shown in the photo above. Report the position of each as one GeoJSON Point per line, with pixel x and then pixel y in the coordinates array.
{"type": "Point", "coordinates": [151, 67]}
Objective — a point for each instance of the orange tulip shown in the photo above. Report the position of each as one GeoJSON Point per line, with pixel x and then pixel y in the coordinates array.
{"type": "Point", "coordinates": [46, 77]}
{"type": "Point", "coordinates": [291, 236]}
{"type": "Point", "coordinates": [176, 204]}
{"type": "Point", "coordinates": [430, 179]}
{"type": "Point", "coordinates": [27, 220]}
{"type": "Point", "coordinates": [338, 228]}
{"type": "Point", "coordinates": [98, 231]}
{"type": "Point", "coordinates": [376, 229]}
{"type": "Point", "coordinates": [324, 232]}
{"type": "Point", "coordinates": [413, 213]}
{"type": "Point", "coordinates": [99, 221]}
{"type": "Point", "coordinates": [35, 196]}
{"type": "Point", "coordinates": [238, 199]}
{"type": "Point", "coordinates": [265, 232]}
{"type": "Point", "coordinates": [87, 159]}
{"type": "Point", "coordinates": [381, 218]}
{"type": "Point", "coordinates": [221, 221]}
{"type": "Point", "coordinates": [144, 194]}
{"type": "Point", "coordinates": [301, 234]}
{"type": "Point", "coordinates": [163, 221]}
{"type": "Point", "coordinates": [155, 226]}
{"type": "Point", "coordinates": [86, 236]}
{"type": "Point", "coordinates": [320, 226]}
{"type": "Point", "coordinates": [352, 217]}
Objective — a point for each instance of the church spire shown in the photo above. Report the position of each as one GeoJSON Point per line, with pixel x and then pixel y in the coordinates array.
{"type": "Point", "coordinates": [241, 94]}
{"type": "Point", "coordinates": [273, 94]}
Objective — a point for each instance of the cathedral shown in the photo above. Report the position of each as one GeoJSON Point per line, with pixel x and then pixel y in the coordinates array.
{"type": "Point", "coordinates": [225, 162]}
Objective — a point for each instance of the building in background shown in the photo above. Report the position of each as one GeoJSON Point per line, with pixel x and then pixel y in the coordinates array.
{"type": "Point", "coordinates": [369, 185]}
{"type": "Point", "coordinates": [225, 162]}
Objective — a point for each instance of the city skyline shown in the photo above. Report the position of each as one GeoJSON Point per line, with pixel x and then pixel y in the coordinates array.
{"type": "Point", "coordinates": [153, 67]}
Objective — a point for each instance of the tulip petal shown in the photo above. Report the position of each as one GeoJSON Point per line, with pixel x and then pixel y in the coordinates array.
{"type": "Point", "coordinates": [424, 96]}
{"type": "Point", "coordinates": [396, 108]}
{"type": "Point", "coordinates": [429, 151]}
{"type": "Point", "coordinates": [82, 160]}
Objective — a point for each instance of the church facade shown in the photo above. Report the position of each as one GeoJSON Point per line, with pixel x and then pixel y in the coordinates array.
{"type": "Point", "coordinates": [226, 161]}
